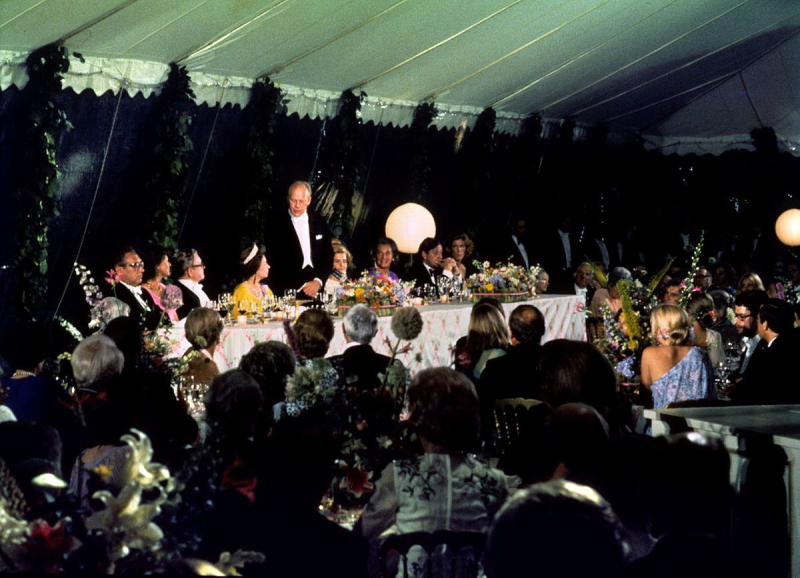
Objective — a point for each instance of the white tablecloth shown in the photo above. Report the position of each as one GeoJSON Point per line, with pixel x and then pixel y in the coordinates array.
{"type": "Point", "coordinates": [444, 324]}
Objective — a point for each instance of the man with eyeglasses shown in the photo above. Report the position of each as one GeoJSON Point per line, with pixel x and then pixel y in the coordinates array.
{"type": "Point", "coordinates": [702, 279]}
{"type": "Point", "coordinates": [191, 271]}
{"type": "Point", "coordinates": [746, 308]}
{"type": "Point", "coordinates": [129, 269]}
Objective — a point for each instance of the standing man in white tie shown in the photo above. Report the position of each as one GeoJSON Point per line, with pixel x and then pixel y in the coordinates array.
{"type": "Point", "coordinates": [191, 271]}
{"type": "Point", "coordinates": [129, 269]}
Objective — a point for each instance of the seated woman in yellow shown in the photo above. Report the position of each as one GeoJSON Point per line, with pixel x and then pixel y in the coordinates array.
{"type": "Point", "coordinates": [254, 269]}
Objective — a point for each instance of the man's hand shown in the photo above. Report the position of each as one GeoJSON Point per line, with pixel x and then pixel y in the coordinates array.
{"type": "Point", "coordinates": [312, 288]}
{"type": "Point", "coordinates": [449, 264]}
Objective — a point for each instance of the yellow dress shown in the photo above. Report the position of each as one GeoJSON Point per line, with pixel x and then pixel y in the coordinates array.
{"type": "Point", "coordinates": [242, 293]}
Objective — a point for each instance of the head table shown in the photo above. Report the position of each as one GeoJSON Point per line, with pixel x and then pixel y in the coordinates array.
{"type": "Point", "coordinates": [443, 325]}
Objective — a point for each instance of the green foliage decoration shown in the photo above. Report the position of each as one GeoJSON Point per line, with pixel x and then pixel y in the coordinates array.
{"type": "Point", "coordinates": [476, 160]}
{"type": "Point", "coordinates": [37, 197]}
{"type": "Point", "coordinates": [262, 112]}
{"type": "Point", "coordinates": [419, 141]}
{"type": "Point", "coordinates": [172, 119]}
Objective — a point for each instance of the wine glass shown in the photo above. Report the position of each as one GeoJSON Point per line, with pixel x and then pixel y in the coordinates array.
{"type": "Point", "coordinates": [243, 307]}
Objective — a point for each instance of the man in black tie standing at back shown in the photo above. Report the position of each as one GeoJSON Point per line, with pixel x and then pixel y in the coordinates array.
{"type": "Point", "coordinates": [299, 246]}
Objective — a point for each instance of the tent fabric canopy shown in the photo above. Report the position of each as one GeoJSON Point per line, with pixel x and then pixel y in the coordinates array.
{"type": "Point", "coordinates": [688, 76]}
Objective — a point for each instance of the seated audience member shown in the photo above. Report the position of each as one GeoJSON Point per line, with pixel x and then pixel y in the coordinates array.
{"type": "Point", "coordinates": [430, 266]}
{"type": "Point", "coordinates": [702, 278]}
{"type": "Point", "coordinates": [359, 365]}
{"type": "Point", "coordinates": [342, 260]}
{"type": "Point", "coordinates": [793, 271]}
{"type": "Point", "coordinates": [771, 376]}
{"type": "Point", "coordinates": [233, 404]}
{"type": "Point", "coordinates": [487, 339]}
{"type": "Point", "coordinates": [446, 488]}
{"type": "Point", "coordinates": [610, 296]}
{"type": "Point", "coordinates": [462, 250]}
{"type": "Point", "coordinates": [723, 277]}
{"type": "Point", "coordinates": [579, 436]}
{"type": "Point", "coordinates": [386, 255]}
{"type": "Point", "coordinates": [191, 271]}
{"type": "Point", "coordinates": [582, 282]}
{"type": "Point", "coordinates": [156, 268]}
{"type": "Point", "coordinates": [542, 282]}
{"type": "Point", "coordinates": [723, 308]}
{"type": "Point", "coordinates": [700, 309]}
{"type": "Point", "coordinates": [751, 282]}
{"type": "Point", "coordinates": [31, 396]}
{"type": "Point", "coordinates": [129, 269]}
{"type": "Point", "coordinates": [270, 363]}
{"type": "Point", "coordinates": [674, 370]}
{"type": "Point", "coordinates": [253, 270]}
{"type": "Point", "coordinates": [314, 332]}
{"type": "Point", "coordinates": [670, 292]}
{"type": "Point", "coordinates": [746, 306]}
{"type": "Point", "coordinates": [203, 332]}
{"type": "Point", "coordinates": [555, 529]}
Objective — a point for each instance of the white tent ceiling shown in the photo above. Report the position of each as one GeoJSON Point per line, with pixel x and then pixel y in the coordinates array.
{"type": "Point", "coordinates": [690, 75]}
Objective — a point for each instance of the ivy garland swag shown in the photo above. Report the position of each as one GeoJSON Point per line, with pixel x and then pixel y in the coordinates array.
{"type": "Point", "coordinates": [261, 114]}
{"type": "Point", "coordinates": [419, 141]}
{"type": "Point", "coordinates": [172, 117]}
{"type": "Point", "coordinates": [37, 195]}
{"type": "Point", "coordinates": [476, 175]}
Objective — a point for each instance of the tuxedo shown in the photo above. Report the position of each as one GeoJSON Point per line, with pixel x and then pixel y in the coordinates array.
{"type": "Point", "coordinates": [144, 319]}
{"type": "Point", "coordinates": [510, 252]}
{"type": "Point", "coordinates": [555, 259]}
{"type": "Point", "coordinates": [285, 253]}
{"type": "Point", "coordinates": [189, 298]}
{"type": "Point", "coordinates": [771, 375]}
{"type": "Point", "coordinates": [512, 375]}
{"type": "Point", "coordinates": [359, 367]}
{"type": "Point", "coordinates": [419, 274]}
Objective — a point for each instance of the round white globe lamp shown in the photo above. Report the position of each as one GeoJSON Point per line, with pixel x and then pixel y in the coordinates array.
{"type": "Point", "coordinates": [408, 225]}
{"type": "Point", "coordinates": [787, 227]}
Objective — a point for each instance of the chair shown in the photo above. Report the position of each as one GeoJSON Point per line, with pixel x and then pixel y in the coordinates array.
{"type": "Point", "coordinates": [461, 553]}
{"type": "Point", "coordinates": [509, 420]}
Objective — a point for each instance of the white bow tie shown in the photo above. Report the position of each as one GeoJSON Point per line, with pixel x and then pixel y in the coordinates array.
{"type": "Point", "coordinates": [136, 290]}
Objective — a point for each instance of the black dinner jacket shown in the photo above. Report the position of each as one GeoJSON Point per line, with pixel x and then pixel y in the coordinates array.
{"type": "Point", "coordinates": [554, 260]}
{"type": "Point", "coordinates": [190, 300]}
{"type": "Point", "coordinates": [145, 319]}
{"type": "Point", "coordinates": [419, 275]}
{"type": "Point", "coordinates": [509, 253]}
{"type": "Point", "coordinates": [359, 367]}
{"type": "Point", "coordinates": [285, 255]}
{"type": "Point", "coordinates": [771, 375]}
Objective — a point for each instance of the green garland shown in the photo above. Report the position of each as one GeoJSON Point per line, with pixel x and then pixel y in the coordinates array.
{"type": "Point", "coordinates": [37, 196]}
{"type": "Point", "coordinates": [476, 159]}
{"type": "Point", "coordinates": [172, 144]}
{"type": "Point", "coordinates": [419, 141]}
{"type": "Point", "coordinates": [262, 112]}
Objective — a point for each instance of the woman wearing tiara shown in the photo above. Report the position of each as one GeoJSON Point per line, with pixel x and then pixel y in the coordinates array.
{"type": "Point", "coordinates": [254, 269]}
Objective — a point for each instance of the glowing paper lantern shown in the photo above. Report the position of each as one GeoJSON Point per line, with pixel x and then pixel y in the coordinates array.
{"type": "Point", "coordinates": [408, 225]}
{"type": "Point", "coordinates": [787, 227]}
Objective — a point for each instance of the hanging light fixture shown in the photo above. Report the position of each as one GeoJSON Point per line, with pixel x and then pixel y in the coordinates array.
{"type": "Point", "coordinates": [787, 227]}
{"type": "Point", "coordinates": [408, 225]}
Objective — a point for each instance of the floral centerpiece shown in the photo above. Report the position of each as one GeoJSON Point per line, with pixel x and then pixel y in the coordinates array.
{"type": "Point", "coordinates": [377, 292]}
{"type": "Point", "coordinates": [507, 283]}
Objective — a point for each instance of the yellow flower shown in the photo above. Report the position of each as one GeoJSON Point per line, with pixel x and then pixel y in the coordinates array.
{"type": "Point", "coordinates": [104, 472]}
{"type": "Point", "coordinates": [489, 287]}
{"type": "Point", "coordinates": [359, 291]}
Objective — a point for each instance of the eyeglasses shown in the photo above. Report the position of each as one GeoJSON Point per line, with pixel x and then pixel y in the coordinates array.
{"type": "Point", "coordinates": [203, 265]}
{"type": "Point", "coordinates": [136, 265]}
{"type": "Point", "coordinates": [741, 317]}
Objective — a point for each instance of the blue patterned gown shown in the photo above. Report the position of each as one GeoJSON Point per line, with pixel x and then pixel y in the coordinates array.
{"type": "Point", "coordinates": [691, 378]}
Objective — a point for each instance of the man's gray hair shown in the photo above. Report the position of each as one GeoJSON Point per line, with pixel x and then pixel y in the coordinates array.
{"type": "Point", "coordinates": [361, 324]}
{"type": "Point", "coordinates": [94, 358]}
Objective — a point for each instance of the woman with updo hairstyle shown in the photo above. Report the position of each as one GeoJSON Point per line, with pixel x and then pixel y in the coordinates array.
{"type": "Point", "coordinates": [314, 332]}
{"type": "Point", "coordinates": [342, 261]}
{"type": "Point", "coordinates": [673, 369]}
{"type": "Point", "coordinates": [751, 282]}
{"type": "Point", "coordinates": [446, 488]}
{"type": "Point", "coordinates": [703, 316]}
{"type": "Point", "coordinates": [253, 268]}
{"type": "Point", "coordinates": [203, 332]}
{"type": "Point", "coordinates": [386, 255]}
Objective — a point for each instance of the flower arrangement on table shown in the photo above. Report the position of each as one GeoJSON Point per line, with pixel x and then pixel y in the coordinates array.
{"type": "Point", "coordinates": [377, 292]}
{"type": "Point", "coordinates": [508, 283]}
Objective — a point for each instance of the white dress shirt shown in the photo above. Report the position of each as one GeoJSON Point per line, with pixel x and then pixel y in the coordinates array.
{"type": "Point", "coordinates": [567, 247]}
{"type": "Point", "coordinates": [300, 225]}
{"type": "Point", "coordinates": [137, 294]}
{"type": "Point", "coordinates": [603, 252]}
{"type": "Point", "coordinates": [751, 347]}
{"type": "Point", "coordinates": [197, 289]}
{"type": "Point", "coordinates": [522, 250]}
{"type": "Point", "coordinates": [581, 291]}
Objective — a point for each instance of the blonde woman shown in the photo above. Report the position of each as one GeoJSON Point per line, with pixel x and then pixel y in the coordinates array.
{"type": "Point", "coordinates": [487, 337]}
{"type": "Point", "coordinates": [751, 282]}
{"type": "Point", "coordinates": [674, 370]}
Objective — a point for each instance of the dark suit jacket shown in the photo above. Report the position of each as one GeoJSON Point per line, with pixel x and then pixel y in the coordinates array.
{"type": "Point", "coordinates": [359, 367]}
{"type": "Point", "coordinates": [554, 259]}
{"type": "Point", "coordinates": [512, 375]}
{"type": "Point", "coordinates": [190, 300]}
{"type": "Point", "coordinates": [509, 252]}
{"type": "Point", "coordinates": [145, 319]}
{"type": "Point", "coordinates": [419, 275]}
{"type": "Point", "coordinates": [771, 375]}
{"type": "Point", "coordinates": [285, 255]}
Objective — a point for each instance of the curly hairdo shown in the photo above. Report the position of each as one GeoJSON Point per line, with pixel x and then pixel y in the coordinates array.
{"type": "Point", "coordinates": [444, 409]}
{"type": "Point", "coordinates": [269, 363]}
{"type": "Point", "coordinates": [670, 320]}
{"type": "Point", "coordinates": [203, 327]}
{"type": "Point", "coordinates": [314, 331]}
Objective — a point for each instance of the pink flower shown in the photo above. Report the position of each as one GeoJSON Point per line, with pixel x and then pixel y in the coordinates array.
{"type": "Point", "coordinates": [112, 277]}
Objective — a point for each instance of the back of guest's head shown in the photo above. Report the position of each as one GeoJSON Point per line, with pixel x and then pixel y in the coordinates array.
{"type": "Point", "coordinates": [250, 262]}
{"type": "Point", "coordinates": [555, 529]}
{"type": "Point", "coordinates": [270, 363]}
{"type": "Point", "coordinates": [579, 436]}
{"type": "Point", "coordinates": [203, 327]}
{"type": "Point", "coordinates": [671, 322]}
{"type": "Point", "coordinates": [314, 331]}
{"type": "Point", "coordinates": [487, 330]}
{"type": "Point", "coordinates": [751, 282]}
{"type": "Point", "coordinates": [752, 300]}
{"type": "Point", "coordinates": [427, 245]}
{"type": "Point", "coordinates": [618, 274]}
{"type": "Point", "coordinates": [778, 315]}
{"type": "Point", "coordinates": [95, 358]}
{"type": "Point", "coordinates": [444, 409]}
{"type": "Point", "coordinates": [722, 301]}
{"type": "Point", "coordinates": [493, 301]}
{"type": "Point", "coordinates": [701, 309]}
{"type": "Point", "coordinates": [21, 440]}
{"type": "Point", "coordinates": [27, 346]}
{"type": "Point", "coordinates": [526, 323]}
{"type": "Point", "coordinates": [361, 324]}
{"type": "Point", "coordinates": [233, 403]}
{"type": "Point", "coordinates": [183, 260]}
{"type": "Point", "coordinates": [576, 372]}
{"type": "Point", "coordinates": [125, 333]}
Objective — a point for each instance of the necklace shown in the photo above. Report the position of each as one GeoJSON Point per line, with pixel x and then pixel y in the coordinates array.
{"type": "Point", "coordinates": [254, 288]}
{"type": "Point", "coordinates": [23, 373]}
